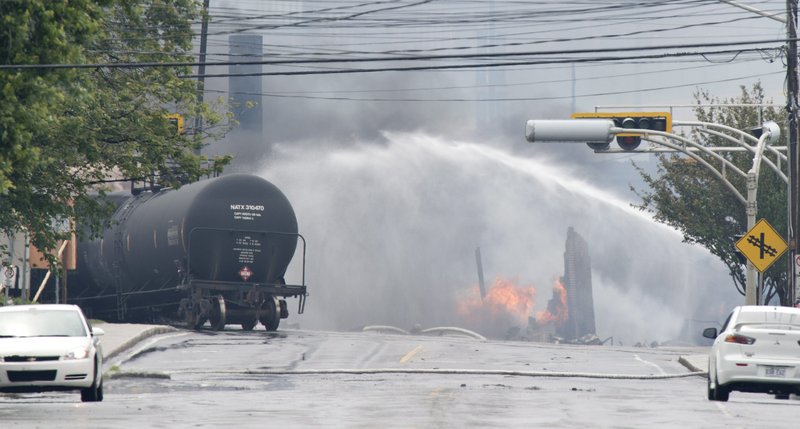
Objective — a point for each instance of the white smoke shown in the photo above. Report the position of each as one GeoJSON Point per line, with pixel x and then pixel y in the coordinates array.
{"type": "Point", "coordinates": [392, 231]}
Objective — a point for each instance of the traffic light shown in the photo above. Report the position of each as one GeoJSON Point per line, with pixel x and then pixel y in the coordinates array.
{"type": "Point", "coordinates": [177, 120]}
{"type": "Point", "coordinates": [657, 121]}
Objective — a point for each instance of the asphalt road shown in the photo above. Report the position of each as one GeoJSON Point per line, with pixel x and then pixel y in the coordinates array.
{"type": "Point", "coordinates": [330, 379]}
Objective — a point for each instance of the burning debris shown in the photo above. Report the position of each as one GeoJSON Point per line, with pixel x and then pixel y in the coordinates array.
{"type": "Point", "coordinates": [507, 308]}
{"type": "Point", "coordinates": [557, 311]}
{"type": "Point", "coordinates": [548, 323]}
{"type": "Point", "coordinates": [505, 305]}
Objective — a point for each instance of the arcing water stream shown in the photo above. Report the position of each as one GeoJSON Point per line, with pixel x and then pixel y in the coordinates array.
{"type": "Point", "coordinates": [392, 231]}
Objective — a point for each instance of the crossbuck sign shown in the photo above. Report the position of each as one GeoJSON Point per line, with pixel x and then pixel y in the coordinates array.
{"type": "Point", "coordinates": [762, 245]}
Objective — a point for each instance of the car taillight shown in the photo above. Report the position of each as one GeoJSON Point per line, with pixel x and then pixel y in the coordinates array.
{"type": "Point", "coordinates": [739, 339]}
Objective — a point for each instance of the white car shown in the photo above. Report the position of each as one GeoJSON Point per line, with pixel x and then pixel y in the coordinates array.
{"type": "Point", "coordinates": [757, 350]}
{"type": "Point", "coordinates": [50, 347]}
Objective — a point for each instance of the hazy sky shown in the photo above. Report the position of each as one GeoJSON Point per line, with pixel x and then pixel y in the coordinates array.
{"type": "Point", "coordinates": [571, 55]}
{"type": "Point", "coordinates": [545, 32]}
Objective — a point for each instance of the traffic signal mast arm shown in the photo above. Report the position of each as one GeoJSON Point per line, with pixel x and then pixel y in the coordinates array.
{"type": "Point", "coordinates": [746, 142]}
{"type": "Point", "coordinates": [758, 147]}
{"type": "Point", "coordinates": [599, 129]}
{"type": "Point", "coordinates": [694, 154]}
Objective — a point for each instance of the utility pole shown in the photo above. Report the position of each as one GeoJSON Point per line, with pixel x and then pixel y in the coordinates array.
{"type": "Point", "coordinates": [792, 154]}
{"type": "Point", "coordinates": [201, 68]}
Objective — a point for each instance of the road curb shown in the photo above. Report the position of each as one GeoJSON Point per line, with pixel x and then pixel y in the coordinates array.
{"type": "Point", "coordinates": [148, 332]}
{"type": "Point", "coordinates": [691, 363]}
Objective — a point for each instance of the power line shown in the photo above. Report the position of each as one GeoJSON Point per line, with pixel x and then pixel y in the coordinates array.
{"type": "Point", "coordinates": [575, 39]}
{"type": "Point", "coordinates": [482, 65]}
{"type": "Point", "coordinates": [512, 44]}
{"type": "Point", "coordinates": [351, 16]}
{"type": "Point", "coordinates": [503, 85]}
{"type": "Point", "coordinates": [560, 97]}
{"type": "Point", "coordinates": [431, 18]}
{"type": "Point", "coordinates": [416, 58]}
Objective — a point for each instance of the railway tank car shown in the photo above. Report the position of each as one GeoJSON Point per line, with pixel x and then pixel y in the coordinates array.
{"type": "Point", "coordinates": [216, 250]}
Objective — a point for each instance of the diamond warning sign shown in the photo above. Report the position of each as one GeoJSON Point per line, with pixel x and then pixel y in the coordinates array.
{"type": "Point", "coordinates": [762, 245]}
{"type": "Point", "coordinates": [245, 273]}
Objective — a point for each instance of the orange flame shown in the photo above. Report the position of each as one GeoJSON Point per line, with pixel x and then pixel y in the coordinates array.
{"type": "Point", "coordinates": [504, 298]}
{"type": "Point", "coordinates": [557, 310]}
{"type": "Point", "coordinates": [507, 306]}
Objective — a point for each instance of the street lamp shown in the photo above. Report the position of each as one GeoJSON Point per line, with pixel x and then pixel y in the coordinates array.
{"type": "Point", "coordinates": [570, 130]}
{"type": "Point", "coordinates": [604, 131]}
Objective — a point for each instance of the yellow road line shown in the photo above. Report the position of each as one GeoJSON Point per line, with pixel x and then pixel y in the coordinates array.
{"type": "Point", "coordinates": [410, 354]}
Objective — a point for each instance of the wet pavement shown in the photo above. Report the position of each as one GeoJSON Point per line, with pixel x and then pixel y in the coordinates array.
{"type": "Point", "coordinates": [300, 378]}
{"type": "Point", "coordinates": [160, 376]}
{"type": "Point", "coordinates": [121, 337]}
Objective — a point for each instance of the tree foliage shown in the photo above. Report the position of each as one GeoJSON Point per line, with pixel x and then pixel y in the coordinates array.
{"type": "Point", "coordinates": [63, 131]}
{"type": "Point", "coordinates": [687, 196]}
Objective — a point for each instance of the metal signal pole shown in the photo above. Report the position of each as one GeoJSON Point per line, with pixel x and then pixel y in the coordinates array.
{"type": "Point", "coordinates": [791, 108]}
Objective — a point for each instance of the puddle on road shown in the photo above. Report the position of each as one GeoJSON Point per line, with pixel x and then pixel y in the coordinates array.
{"type": "Point", "coordinates": [226, 383]}
{"type": "Point", "coordinates": [210, 341]}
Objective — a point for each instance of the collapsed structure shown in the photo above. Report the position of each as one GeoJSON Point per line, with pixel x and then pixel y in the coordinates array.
{"type": "Point", "coordinates": [577, 281]}
{"type": "Point", "coordinates": [572, 300]}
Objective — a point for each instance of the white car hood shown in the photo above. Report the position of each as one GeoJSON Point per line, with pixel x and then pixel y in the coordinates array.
{"type": "Point", "coordinates": [41, 346]}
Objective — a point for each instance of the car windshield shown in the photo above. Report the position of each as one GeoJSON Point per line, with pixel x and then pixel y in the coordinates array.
{"type": "Point", "coordinates": [769, 318]}
{"type": "Point", "coordinates": [37, 323]}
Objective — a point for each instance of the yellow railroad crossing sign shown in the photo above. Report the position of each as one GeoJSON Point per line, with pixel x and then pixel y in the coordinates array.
{"type": "Point", "coordinates": [762, 245]}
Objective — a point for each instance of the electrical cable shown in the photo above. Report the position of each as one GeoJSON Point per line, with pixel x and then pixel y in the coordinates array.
{"type": "Point", "coordinates": [545, 98]}
{"type": "Point", "coordinates": [424, 57]}
{"type": "Point", "coordinates": [469, 66]}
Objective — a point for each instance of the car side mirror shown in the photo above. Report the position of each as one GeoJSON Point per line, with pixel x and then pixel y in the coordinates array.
{"type": "Point", "coordinates": [710, 333]}
{"type": "Point", "coordinates": [96, 332]}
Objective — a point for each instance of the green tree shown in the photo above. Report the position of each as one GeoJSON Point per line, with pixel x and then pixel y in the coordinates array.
{"type": "Point", "coordinates": [685, 195]}
{"type": "Point", "coordinates": [64, 131]}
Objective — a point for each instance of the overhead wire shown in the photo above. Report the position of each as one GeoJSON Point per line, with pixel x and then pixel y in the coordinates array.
{"type": "Point", "coordinates": [561, 10]}
{"type": "Point", "coordinates": [495, 99]}
{"type": "Point", "coordinates": [488, 55]}
{"type": "Point", "coordinates": [401, 23]}
{"type": "Point", "coordinates": [534, 16]}
{"type": "Point", "coordinates": [480, 86]}
{"type": "Point", "coordinates": [518, 44]}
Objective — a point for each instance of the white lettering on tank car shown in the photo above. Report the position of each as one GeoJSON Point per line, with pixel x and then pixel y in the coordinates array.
{"type": "Point", "coordinates": [247, 249]}
{"type": "Point", "coordinates": [246, 211]}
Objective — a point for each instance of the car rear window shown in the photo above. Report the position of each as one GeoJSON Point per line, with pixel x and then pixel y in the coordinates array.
{"type": "Point", "coordinates": [38, 323]}
{"type": "Point", "coordinates": [769, 318]}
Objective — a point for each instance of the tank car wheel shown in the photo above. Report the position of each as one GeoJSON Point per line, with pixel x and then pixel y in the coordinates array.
{"type": "Point", "coordinates": [218, 313]}
{"type": "Point", "coordinates": [270, 315]}
{"type": "Point", "coordinates": [190, 315]}
{"type": "Point", "coordinates": [193, 320]}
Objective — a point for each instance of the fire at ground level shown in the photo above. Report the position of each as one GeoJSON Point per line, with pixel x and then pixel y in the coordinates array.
{"type": "Point", "coordinates": [568, 318]}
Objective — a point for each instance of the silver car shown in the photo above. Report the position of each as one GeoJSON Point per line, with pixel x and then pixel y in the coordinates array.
{"type": "Point", "coordinates": [757, 350]}
{"type": "Point", "coordinates": [50, 347]}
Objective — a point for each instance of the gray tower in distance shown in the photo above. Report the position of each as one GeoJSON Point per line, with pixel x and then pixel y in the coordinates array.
{"type": "Point", "coordinates": [246, 90]}
{"type": "Point", "coordinates": [577, 281]}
